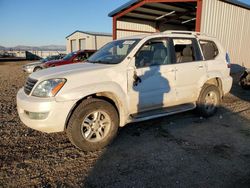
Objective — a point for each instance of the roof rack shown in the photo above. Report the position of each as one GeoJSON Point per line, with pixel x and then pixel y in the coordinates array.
{"type": "Point", "coordinates": [186, 32]}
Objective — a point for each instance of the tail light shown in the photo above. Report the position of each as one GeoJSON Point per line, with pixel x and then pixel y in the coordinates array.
{"type": "Point", "coordinates": [228, 61]}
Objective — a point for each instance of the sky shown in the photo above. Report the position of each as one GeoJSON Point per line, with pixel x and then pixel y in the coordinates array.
{"type": "Point", "coordinates": [45, 22]}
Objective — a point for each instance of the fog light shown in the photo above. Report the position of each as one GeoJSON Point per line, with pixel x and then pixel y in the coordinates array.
{"type": "Point", "coordinates": [37, 115]}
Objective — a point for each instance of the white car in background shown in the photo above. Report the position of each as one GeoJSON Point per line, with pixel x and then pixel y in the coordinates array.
{"type": "Point", "coordinates": [128, 80]}
{"type": "Point", "coordinates": [38, 65]}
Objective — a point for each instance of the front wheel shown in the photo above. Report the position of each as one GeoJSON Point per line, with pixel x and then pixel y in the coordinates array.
{"type": "Point", "coordinates": [208, 101]}
{"type": "Point", "coordinates": [37, 69]}
{"type": "Point", "coordinates": [93, 125]}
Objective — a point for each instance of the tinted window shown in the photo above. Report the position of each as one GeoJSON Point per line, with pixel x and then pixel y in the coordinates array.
{"type": "Point", "coordinates": [186, 50]}
{"type": "Point", "coordinates": [209, 49]}
{"type": "Point", "coordinates": [153, 52]}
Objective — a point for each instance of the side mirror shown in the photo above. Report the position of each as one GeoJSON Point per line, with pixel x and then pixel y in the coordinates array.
{"type": "Point", "coordinates": [132, 69]}
{"type": "Point", "coordinates": [136, 78]}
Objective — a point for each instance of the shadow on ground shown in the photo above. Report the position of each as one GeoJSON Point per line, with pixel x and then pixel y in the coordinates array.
{"type": "Point", "coordinates": [181, 150]}
{"type": "Point", "coordinates": [178, 151]}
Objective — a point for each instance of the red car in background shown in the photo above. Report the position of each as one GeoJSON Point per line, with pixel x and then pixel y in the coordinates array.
{"type": "Point", "coordinates": [73, 57]}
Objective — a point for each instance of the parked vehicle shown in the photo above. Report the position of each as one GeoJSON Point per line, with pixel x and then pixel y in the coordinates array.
{"type": "Point", "coordinates": [245, 79]}
{"type": "Point", "coordinates": [74, 57]}
{"type": "Point", "coordinates": [5, 54]}
{"type": "Point", "coordinates": [39, 65]}
{"type": "Point", "coordinates": [128, 80]}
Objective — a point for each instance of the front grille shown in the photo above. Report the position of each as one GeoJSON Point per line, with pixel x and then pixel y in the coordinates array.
{"type": "Point", "coordinates": [29, 85]}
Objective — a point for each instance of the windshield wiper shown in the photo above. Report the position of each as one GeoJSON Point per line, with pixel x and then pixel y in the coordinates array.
{"type": "Point", "coordinates": [99, 61]}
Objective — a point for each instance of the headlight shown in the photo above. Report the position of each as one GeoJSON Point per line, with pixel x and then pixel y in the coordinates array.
{"type": "Point", "coordinates": [49, 88]}
{"type": "Point", "coordinates": [27, 66]}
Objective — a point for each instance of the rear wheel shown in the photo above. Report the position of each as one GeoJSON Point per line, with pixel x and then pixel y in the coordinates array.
{"type": "Point", "coordinates": [93, 125]}
{"type": "Point", "coordinates": [208, 101]}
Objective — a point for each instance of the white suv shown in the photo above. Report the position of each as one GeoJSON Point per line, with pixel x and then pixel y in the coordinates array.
{"type": "Point", "coordinates": [128, 80]}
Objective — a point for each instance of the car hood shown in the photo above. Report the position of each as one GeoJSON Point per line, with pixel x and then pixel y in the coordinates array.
{"type": "Point", "coordinates": [55, 61]}
{"type": "Point", "coordinates": [34, 63]}
{"type": "Point", "coordinates": [67, 70]}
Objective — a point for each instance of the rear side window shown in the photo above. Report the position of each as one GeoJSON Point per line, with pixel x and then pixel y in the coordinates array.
{"type": "Point", "coordinates": [209, 49]}
{"type": "Point", "coordinates": [186, 50]}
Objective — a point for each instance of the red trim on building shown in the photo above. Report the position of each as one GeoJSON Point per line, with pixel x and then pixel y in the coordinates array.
{"type": "Point", "coordinates": [168, 1]}
{"type": "Point", "coordinates": [198, 16]}
{"type": "Point", "coordinates": [122, 13]}
{"type": "Point", "coordinates": [136, 31]}
{"type": "Point", "coordinates": [114, 28]}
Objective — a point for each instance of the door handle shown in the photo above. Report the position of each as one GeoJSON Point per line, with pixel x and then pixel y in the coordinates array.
{"type": "Point", "coordinates": [174, 70]}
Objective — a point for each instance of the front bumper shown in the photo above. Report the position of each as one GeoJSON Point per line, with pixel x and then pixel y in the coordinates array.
{"type": "Point", "coordinates": [57, 112]}
{"type": "Point", "coordinates": [28, 69]}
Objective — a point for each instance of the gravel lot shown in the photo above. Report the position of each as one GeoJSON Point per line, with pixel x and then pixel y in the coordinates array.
{"type": "Point", "coordinates": [183, 150]}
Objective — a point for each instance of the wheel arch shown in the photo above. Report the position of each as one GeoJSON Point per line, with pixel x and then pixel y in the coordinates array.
{"type": "Point", "coordinates": [216, 81]}
{"type": "Point", "coordinates": [106, 96]}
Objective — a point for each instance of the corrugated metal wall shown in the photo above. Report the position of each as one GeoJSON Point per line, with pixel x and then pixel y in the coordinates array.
{"type": "Point", "coordinates": [121, 34]}
{"type": "Point", "coordinates": [231, 25]}
{"type": "Point", "coordinates": [102, 40]}
{"type": "Point", "coordinates": [135, 25]}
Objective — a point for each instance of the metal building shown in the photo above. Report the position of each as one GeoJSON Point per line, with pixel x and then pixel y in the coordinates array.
{"type": "Point", "coordinates": [84, 40]}
{"type": "Point", "coordinates": [228, 20]}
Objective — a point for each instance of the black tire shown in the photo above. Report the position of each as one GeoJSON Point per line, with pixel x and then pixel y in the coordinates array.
{"type": "Point", "coordinates": [203, 108]}
{"type": "Point", "coordinates": [75, 131]}
{"type": "Point", "coordinates": [37, 69]}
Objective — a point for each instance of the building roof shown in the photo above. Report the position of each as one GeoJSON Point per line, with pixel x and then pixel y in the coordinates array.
{"type": "Point", "coordinates": [125, 6]}
{"type": "Point", "coordinates": [91, 33]}
{"type": "Point", "coordinates": [238, 3]}
{"type": "Point", "coordinates": [132, 2]}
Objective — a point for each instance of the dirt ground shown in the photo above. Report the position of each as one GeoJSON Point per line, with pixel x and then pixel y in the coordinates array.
{"type": "Point", "coordinates": [183, 150]}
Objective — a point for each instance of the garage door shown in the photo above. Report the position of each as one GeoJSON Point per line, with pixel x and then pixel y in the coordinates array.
{"type": "Point", "coordinates": [82, 44]}
{"type": "Point", "coordinates": [73, 45]}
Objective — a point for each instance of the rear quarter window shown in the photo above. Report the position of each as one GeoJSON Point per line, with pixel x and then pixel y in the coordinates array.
{"type": "Point", "coordinates": [209, 49]}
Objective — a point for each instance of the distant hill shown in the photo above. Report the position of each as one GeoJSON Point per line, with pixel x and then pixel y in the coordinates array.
{"type": "Point", "coordinates": [38, 48]}
{"type": "Point", "coordinates": [2, 48]}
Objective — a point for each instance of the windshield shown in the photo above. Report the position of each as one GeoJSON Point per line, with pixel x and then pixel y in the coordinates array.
{"type": "Point", "coordinates": [49, 58]}
{"type": "Point", "coordinates": [68, 56]}
{"type": "Point", "coordinates": [44, 60]}
{"type": "Point", "coordinates": [113, 52]}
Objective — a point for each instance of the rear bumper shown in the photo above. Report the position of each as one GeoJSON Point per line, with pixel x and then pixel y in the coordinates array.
{"type": "Point", "coordinates": [57, 112]}
{"type": "Point", "coordinates": [227, 84]}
